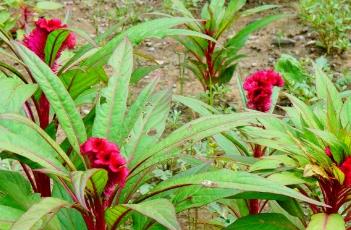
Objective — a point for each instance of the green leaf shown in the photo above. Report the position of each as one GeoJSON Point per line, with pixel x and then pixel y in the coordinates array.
{"type": "Point", "coordinates": [141, 72]}
{"type": "Point", "coordinates": [13, 94]}
{"type": "Point", "coordinates": [15, 191]}
{"type": "Point", "coordinates": [326, 89]}
{"type": "Point", "coordinates": [292, 207]}
{"type": "Point", "coordinates": [4, 16]}
{"type": "Point", "coordinates": [291, 69]}
{"type": "Point", "coordinates": [225, 178]}
{"type": "Point", "coordinates": [93, 180]}
{"type": "Point", "coordinates": [229, 15]}
{"type": "Point", "coordinates": [69, 218]}
{"type": "Point", "coordinates": [58, 97]}
{"type": "Point", "coordinates": [198, 196]}
{"type": "Point", "coordinates": [78, 80]}
{"type": "Point", "coordinates": [258, 9]}
{"type": "Point", "coordinates": [23, 137]}
{"type": "Point", "coordinates": [160, 210]}
{"type": "Point", "coordinates": [227, 74]}
{"type": "Point", "coordinates": [196, 130]}
{"type": "Point", "coordinates": [323, 221]}
{"type": "Point", "coordinates": [138, 105]}
{"type": "Point", "coordinates": [158, 28]}
{"type": "Point", "coordinates": [48, 5]}
{"type": "Point", "coordinates": [148, 127]}
{"type": "Point", "coordinates": [115, 213]}
{"type": "Point", "coordinates": [263, 221]}
{"type": "Point", "coordinates": [46, 207]}
{"type": "Point", "coordinates": [110, 115]}
{"type": "Point", "coordinates": [8, 216]}
{"type": "Point", "coordinates": [53, 44]}
{"type": "Point", "coordinates": [239, 40]}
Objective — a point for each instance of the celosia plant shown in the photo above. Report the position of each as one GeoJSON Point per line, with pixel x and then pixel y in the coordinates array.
{"type": "Point", "coordinates": [259, 87]}
{"type": "Point", "coordinates": [101, 161]}
{"type": "Point", "coordinates": [37, 42]}
{"type": "Point", "coordinates": [210, 62]}
{"type": "Point", "coordinates": [317, 140]}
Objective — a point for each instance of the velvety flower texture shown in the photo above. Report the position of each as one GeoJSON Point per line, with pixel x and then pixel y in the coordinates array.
{"type": "Point", "coordinates": [104, 154]}
{"type": "Point", "coordinates": [345, 167]}
{"type": "Point", "coordinates": [259, 87]}
{"type": "Point", "coordinates": [36, 40]}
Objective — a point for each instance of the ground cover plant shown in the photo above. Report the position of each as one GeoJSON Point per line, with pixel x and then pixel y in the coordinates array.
{"type": "Point", "coordinates": [330, 23]}
{"type": "Point", "coordinates": [92, 138]}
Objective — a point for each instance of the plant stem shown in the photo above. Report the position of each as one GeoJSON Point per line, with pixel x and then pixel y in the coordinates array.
{"type": "Point", "coordinates": [29, 176]}
{"type": "Point", "coordinates": [254, 206]}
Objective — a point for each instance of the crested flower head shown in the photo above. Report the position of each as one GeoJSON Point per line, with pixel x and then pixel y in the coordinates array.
{"type": "Point", "coordinates": [345, 167]}
{"type": "Point", "coordinates": [36, 40]}
{"type": "Point", "coordinates": [104, 154]}
{"type": "Point", "coordinates": [259, 87]}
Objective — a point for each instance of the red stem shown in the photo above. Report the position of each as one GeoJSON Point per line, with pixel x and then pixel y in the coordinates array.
{"type": "Point", "coordinates": [42, 180]}
{"type": "Point", "coordinates": [29, 176]}
{"type": "Point", "coordinates": [254, 206]}
{"type": "Point", "coordinates": [313, 207]}
{"type": "Point", "coordinates": [99, 211]}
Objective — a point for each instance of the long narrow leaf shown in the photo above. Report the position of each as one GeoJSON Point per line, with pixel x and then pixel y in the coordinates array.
{"type": "Point", "coordinates": [58, 97]}
{"type": "Point", "coordinates": [110, 115]}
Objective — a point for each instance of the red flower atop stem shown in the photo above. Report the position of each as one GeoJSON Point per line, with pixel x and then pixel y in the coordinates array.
{"type": "Point", "coordinates": [36, 40]}
{"type": "Point", "coordinates": [104, 154]}
{"type": "Point", "coordinates": [259, 87]}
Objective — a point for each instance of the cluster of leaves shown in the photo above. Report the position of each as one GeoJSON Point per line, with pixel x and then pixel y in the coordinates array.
{"type": "Point", "coordinates": [300, 77]}
{"type": "Point", "coordinates": [256, 170]}
{"type": "Point", "coordinates": [75, 199]}
{"type": "Point", "coordinates": [315, 139]}
{"type": "Point", "coordinates": [330, 19]}
{"type": "Point", "coordinates": [16, 14]}
{"type": "Point", "coordinates": [212, 63]}
{"type": "Point", "coordinates": [294, 154]}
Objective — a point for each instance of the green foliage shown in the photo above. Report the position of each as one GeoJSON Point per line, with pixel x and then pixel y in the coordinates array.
{"type": "Point", "coordinates": [14, 95]}
{"type": "Point", "coordinates": [327, 222]}
{"type": "Point", "coordinates": [173, 165]}
{"type": "Point", "coordinates": [297, 79]}
{"type": "Point", "coordinates": [15, 15]}
{"type": "Point", "coordinates": [212, 63]}
{"type": "Point", "coordinates": [300, 76]}
{"type": "Point", "coordinates": [264, 221]}
{"type": "Point", "coordinates": [330, 22]}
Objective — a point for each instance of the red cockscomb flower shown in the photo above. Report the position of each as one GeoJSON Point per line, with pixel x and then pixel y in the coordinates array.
{"type": "Point", "coordinates": [259, 87]}
{"type": "Point", "coordinates": [106, 155]}
{"type": "Point", "coordinates": [345, 167]}
{"type": "Point", "coordinates": [36, 40]}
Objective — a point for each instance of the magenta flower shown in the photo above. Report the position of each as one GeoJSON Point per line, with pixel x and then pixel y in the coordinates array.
{"type": "Point", "coordinates": [36, 40]}
{"type": "Point", "coordinates": [345, 167]}
{"type": "Point", "coordinates": [259, 87]}
{"type": "Point", "coordinates": [104, 154]}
